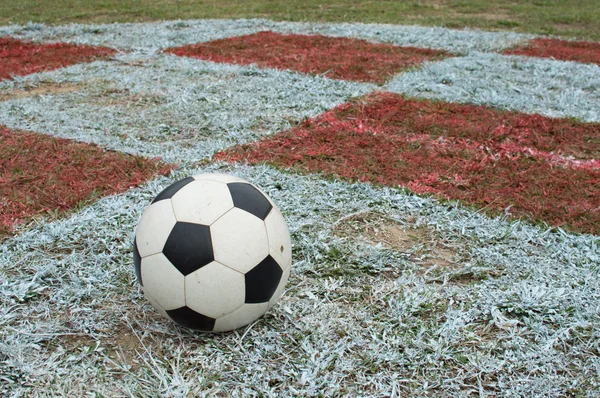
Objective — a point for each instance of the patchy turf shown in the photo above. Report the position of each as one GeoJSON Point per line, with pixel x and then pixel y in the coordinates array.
{"type": "Point", "coordinates": [558, 17]}
{"type": "Point", "coordinates": [41, 175]}
{"type": "Point", "coordinates": [420, 244]}
{"type": "Point", "coordinates": [358, 319]}
{"type": "Point", "coordinates": [18, 57]}
{"type": "Point", "coordinates": [43, 88]}
{"type": "Point", "coordinates": [333, 57]}
{"type": "Point", "coordinates": [563, 50]}
{"type": "Point", "coordinates": [163, 35]}
{"type": "Point", "coordinates": [177, 108]}
{"type": "Point", "coordinates": [501, 161]}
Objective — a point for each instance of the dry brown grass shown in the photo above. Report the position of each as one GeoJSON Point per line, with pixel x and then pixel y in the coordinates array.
{"type": "Point", "coordinates": [42, 88]}
{"type": "Point", "coordinates": [422, 244]}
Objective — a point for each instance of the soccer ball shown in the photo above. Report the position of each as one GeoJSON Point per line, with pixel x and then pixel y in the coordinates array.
{"type": "Point", "coordinates": [212, 252]}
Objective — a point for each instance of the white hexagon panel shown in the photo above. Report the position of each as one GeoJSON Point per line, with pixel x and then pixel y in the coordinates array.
{"type": "Point", "coordinates": [202, 202]}
{"type": "Point", "coordinates": [280, 244]}
{"type": "Point", "coordinates": [155, 303]}
{"type": "Point", "coordinates": [163, 281]}
{"type": "Point", "coordinates": [214, 290]}
{"type": "Point", "coordinates": [240, 317]}
{"type": "Point", "coordinates": [224, 178]}
{"type": "Point", "coordinates": [154, 228]}
{"type": "Point", "coordinates": [239, 240]}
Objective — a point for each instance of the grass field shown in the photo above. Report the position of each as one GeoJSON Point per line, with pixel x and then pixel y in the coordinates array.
{"type": "Point", "coordinates": [571, 18]}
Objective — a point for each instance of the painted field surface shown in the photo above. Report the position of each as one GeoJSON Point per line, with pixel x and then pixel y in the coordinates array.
{"type": "Point", "coordinates": [444, 224]}
{"type": "Point", "coordinates": [564, 50]}
{"type": "Point", "coordinates": [335, 58]}
{"type": "Point", "coordinates": [41, 175]}
{"type": "Point", "coordinates": [19, 57]}
{"type": "Point", "coordinates": [533, 166]}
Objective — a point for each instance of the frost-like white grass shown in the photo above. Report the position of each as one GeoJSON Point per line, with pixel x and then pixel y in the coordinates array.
{"type": "Point", "coordinates": [461, 41]}
{"type": "Point", "coordinates": [544, 86]}
{"type": "Point", "coordinates": [145, 37]}
{"type": "Point", "coordinates": [180, 109]}
{"type": "Point", "coordinates": [160, 35]}
{"type": "Point", "coordinates": [526, 325]}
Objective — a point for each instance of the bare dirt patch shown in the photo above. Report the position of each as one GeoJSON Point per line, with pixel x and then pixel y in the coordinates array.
{"type": "Point", "coordinates": [423, 245]}
{"type": "Point", "coordinates": [43, 88]}
{"type": "Point", "coordinates": [77, 341]}
{"type": "Point", "coordinates": [126, 99]}
{"type": "Point", "coordinates": [123, 347]}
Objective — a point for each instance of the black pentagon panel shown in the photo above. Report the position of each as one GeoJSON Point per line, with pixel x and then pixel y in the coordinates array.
{"type": "Point", "coordinates": [137, 262]}
{"type": "Point", "coordinates": [189, 318]}
{"type": "Point", "coordinates": [262, 281]}
{"type": "Point", "coordinates": [247, 197]}
{"type": "Point", "coordinates": [189, 247]}
{"type": "Point", "coordinates": [172, 189]}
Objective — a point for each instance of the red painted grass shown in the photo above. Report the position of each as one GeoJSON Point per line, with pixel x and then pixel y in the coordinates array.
{"type": "Point", "coordinates": [488, 158]}
{"type": "Point", "coordinates": [337, 58]}
{"type": "Point", "coordinates": [18, 57]}
{"type": "Point", "coordinates": [563, 50]}
{"type": "Point", "coordinates": [44, 175]}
